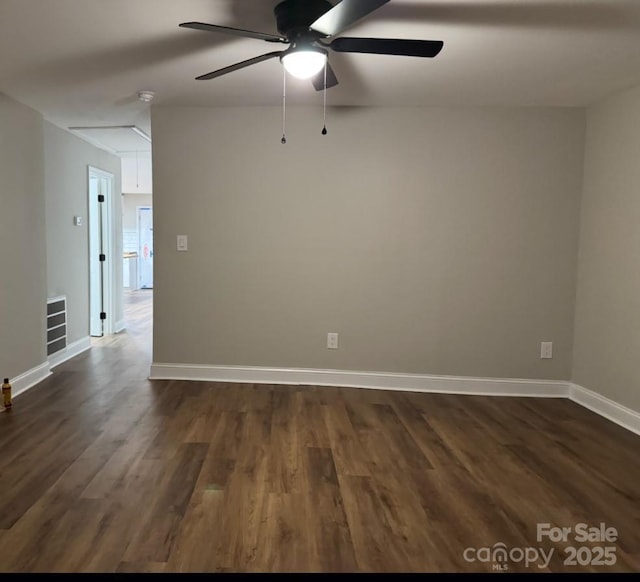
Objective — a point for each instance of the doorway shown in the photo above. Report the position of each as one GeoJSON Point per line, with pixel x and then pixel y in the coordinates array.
{"type": "Point", "coordinates": [101, 255]}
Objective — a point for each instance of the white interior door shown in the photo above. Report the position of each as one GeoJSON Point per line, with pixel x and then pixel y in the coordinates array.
{"type": "Point", "coordinates": [145, 254]}
{"type": "Point", "coordinates": [100, 261]}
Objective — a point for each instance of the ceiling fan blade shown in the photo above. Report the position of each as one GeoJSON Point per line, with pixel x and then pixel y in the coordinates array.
{"type": "Point", "coordinates": [318, 80]}
{"type": "Point", "coordinates": [237, 66]}
{"type": "Point", "coordinates": [387, 46]}
{"type": "Point", "coordinates": [344, 14]}
{"type": "Point", "coordinates": [234, 31]}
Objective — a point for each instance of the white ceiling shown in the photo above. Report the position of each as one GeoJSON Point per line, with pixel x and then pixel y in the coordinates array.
{"type": "Point", "coordinates": [82, 62]}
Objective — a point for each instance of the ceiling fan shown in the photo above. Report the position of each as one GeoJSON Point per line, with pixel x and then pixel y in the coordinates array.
{"type": "Point", "coordinates": [309, 26]}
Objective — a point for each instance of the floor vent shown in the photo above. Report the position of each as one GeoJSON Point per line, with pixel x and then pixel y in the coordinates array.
{"type": "Point", "coordinates": [56, 325]}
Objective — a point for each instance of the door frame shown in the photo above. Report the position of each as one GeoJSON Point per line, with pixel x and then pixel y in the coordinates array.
{"type": "Point", "coordinates": [108, 247]}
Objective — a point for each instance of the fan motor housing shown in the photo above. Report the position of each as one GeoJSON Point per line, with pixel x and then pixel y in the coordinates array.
{"type": "Point", "coordinates": [299, 15]}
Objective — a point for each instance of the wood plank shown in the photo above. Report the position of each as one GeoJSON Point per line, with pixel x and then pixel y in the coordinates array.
{"type": "Point", "coordinates": [201, 532]}
{"type": "Point", "coordinates": [331, 547]}
{"type": "Point", "coordinates": [376, 546]}
{"type": "Point", "coordinates": [154, 541]}
{"type": "Point", "coordinates": [345, 445]}
{"type": "Point", "coordinates": [245, 504]}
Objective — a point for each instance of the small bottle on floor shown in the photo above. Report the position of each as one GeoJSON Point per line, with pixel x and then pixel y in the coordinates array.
{"type": "Point", "coordinates": [6, 394]}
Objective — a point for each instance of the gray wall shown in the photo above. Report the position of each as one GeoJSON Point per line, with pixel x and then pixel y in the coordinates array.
{"type": "Point", "coordinates": [432, 240]}
{"type": "Point", "coordinates": [66, 183]}
{"type": "Point", "coordinates": [22, 239]}
{"type": "Point", "coordinates": [607, 330]}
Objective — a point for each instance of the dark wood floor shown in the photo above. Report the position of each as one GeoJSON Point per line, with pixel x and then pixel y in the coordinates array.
{"type": "Point", "coordinates": [103, 470]}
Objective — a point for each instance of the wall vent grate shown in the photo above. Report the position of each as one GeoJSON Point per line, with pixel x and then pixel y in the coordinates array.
{"type": "Point", "coordinates": [56, 325]}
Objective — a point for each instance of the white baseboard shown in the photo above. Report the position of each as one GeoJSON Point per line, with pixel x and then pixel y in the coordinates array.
{"type": "Point", "coordinates": [374, 380]}
{"type": "Point", "coordinates": [601, 405]}
{"type": "Point", "coordinates": [609, 409]}
{"type": "Point", "coordinates": [72, 350]}
{"type": "Point", "coordinates": [30, 378]}
{"type": "Point", "coordinates": [119, 326]}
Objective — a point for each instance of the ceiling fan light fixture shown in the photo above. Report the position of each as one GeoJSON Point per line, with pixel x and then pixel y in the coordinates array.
{"type": "Point", "coordinates": [304, 63]}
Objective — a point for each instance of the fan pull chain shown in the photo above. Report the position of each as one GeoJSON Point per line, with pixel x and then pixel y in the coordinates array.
{"type": "Point", "coordinates": [284, 107]}
{"type": "Point", "coordinates": [324, 113]}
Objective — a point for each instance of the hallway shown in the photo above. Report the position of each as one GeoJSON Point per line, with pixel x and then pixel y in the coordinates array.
{"type": "Point", "coordinates": [138, 320]}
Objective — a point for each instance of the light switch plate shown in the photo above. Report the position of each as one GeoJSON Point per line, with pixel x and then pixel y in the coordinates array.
{"type": "Point", "coordinates": [182, 243]}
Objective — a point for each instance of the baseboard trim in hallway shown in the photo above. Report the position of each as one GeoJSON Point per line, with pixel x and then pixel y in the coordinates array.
{"type": "Point", "coordinates": [601, 405]}
{"type": "Point", "coordinates": [30, 378]}
{"type": "Point", "coordinates": [72, 350]}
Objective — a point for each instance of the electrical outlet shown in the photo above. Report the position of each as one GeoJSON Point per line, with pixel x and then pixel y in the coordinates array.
{"type": "Point", "coordinates": [332, 341]}
{"type": "Point", "coordinates": [546, 350]}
